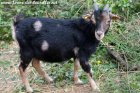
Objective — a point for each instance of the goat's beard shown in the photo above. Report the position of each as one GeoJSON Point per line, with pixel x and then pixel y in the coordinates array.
{"type": "Point", "coordinates": [99, 37]}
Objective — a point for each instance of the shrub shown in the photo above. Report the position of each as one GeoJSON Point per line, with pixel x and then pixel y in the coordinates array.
{"type": "Point", "coordinates": [64, 9]}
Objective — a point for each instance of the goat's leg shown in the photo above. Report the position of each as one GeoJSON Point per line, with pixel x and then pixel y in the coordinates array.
{"type": "Point", "coordinates": [22, 69]}
{"type": "Point", "coordinates": [43, 74]}
{"type": "Point", "coordinates": [86, 67]}
{"type": "Point", "coordinates": [75, 75]}
{"type": "Point", "coordinates": [25, 57]}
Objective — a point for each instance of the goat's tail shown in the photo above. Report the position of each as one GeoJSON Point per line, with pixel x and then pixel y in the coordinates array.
{"type": "Point", "coordinates": [17, 18]}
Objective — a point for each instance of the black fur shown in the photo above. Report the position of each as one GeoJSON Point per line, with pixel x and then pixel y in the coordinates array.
{"type": "Point", "coordinates": [62, 36]}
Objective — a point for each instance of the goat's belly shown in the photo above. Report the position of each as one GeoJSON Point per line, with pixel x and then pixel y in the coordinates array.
{"type": "Point", "coordinates": [54, 48]}
{"type": "Point", "coordinates": [55, 59]}
{"type": "Point", "coordinates": [55, 56]}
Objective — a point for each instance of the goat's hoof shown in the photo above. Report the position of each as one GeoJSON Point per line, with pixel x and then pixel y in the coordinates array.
{"type": "Point", "coordinates": [78, 82]}
{"type": "Point", "coordinates": [29, 90]}
{"type": "Point", "coordinates": [96, 90]}
{"type": "Point", "coordinates": [50, 80]}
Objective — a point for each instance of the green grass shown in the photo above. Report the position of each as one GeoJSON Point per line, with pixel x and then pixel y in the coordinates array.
{"type": "Point", "coordinates": [106, 73]}
{"type": "Point", "coordinates": [124, 34]}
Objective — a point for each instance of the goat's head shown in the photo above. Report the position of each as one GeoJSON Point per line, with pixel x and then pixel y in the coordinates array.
{"type": "Point", "coordinates": [102, 19]}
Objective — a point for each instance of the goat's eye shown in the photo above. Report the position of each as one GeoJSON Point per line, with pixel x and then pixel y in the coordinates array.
{"type": "Point", "coordinates": [108, 22]}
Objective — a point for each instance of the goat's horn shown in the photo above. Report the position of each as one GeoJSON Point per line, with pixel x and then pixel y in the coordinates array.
{"type": "Point", "coordinates": [106, 8]}
{"type": "Point", "coordinates": [95, 6]}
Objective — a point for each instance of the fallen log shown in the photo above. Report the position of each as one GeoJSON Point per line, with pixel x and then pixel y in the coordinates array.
{"type": "Point", "coordinates": [123, 64]}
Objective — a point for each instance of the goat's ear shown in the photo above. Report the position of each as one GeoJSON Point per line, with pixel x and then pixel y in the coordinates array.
{"type": "Point", "coordinates": [87, 17]}
{"type": "Point", "coordinates": [114, 17]}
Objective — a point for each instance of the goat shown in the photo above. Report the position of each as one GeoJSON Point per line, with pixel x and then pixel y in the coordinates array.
{"type": "Point", "coordinates": [57, 40]}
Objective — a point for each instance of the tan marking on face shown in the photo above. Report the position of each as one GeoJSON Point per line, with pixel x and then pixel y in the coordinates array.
{"type": "Point", "coordinates": [104, 25]}
{"type": "Point", "coordinates": [106, 21]}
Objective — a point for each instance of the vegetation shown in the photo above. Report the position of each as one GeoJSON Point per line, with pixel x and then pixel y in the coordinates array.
{"type": "Point", "coordinates": [123, 34]}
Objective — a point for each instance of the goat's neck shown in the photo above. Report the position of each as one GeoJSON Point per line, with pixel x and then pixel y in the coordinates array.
{"type": "Point", "coordinates": [87, 27]}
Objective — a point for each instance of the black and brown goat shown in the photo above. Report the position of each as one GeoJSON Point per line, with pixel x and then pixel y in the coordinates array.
{"type": "Point", "coordinates": [57, 40]}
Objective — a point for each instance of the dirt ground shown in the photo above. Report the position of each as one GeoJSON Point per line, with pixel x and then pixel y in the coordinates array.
{"type": "Point", "coordinates": [10, 81]}
{"type": "Point", "coordinates": [68, 89]}
{"type": "Point", "coordinates": [47, 88]}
